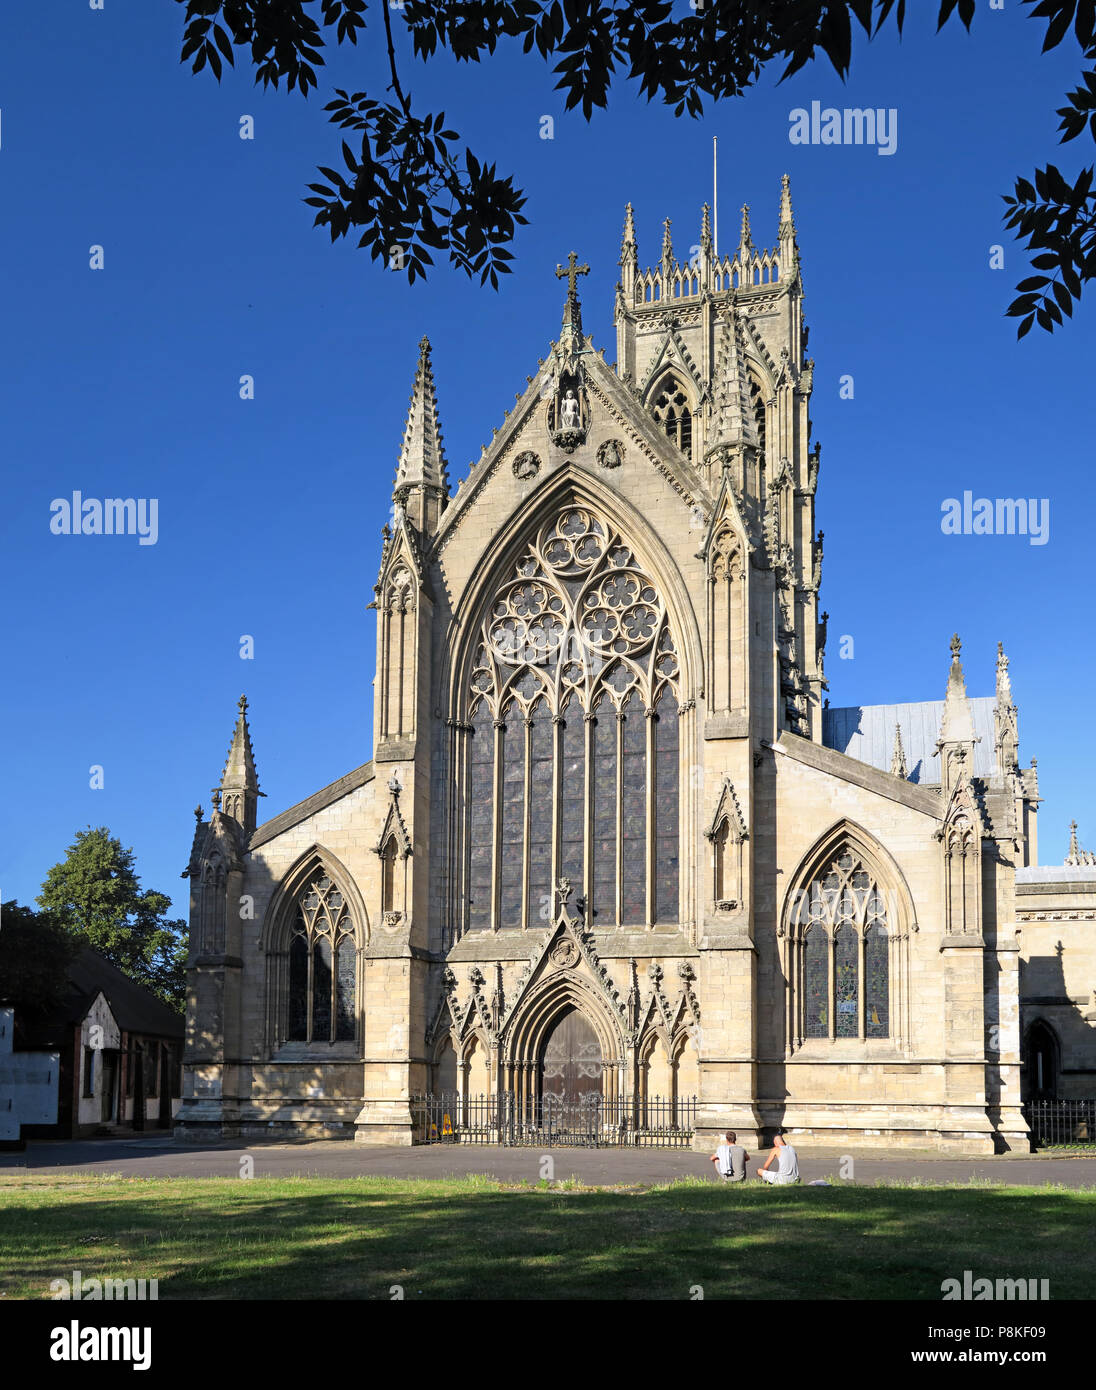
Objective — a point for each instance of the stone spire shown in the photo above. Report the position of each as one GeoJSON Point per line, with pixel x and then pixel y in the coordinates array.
{"type": "Point", "coordinates": [667, 248]}
{"type": "Point", "coordinates": [957, 737]}
{"type": "Point", "coordinates": [786, 243]}
{"type": "Point", "coordinates": [786, 218]}
{"type": "Point", "coordinates": [745, 239]}
{"type": "Point", "coordinates": [1006, 740]}
{"type": "Point", "coordinates": [239, 787]}
{"type": "Point", "coordinates": [629, 249]}
{"type": "Point", "coordinates": [898, 757]}
{"type": "Point", "coordinates": [1078, 857]}
{"type": "Point", "coordinates": [706, 230]}
{"type": "Point", "coordinates": [422, 474]}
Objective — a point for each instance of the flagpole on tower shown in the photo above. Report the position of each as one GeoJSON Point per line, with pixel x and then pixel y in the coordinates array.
{"type": "Point", "coordinates": [715, 197]}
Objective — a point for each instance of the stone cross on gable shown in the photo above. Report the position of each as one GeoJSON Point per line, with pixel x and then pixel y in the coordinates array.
{"type": "Point", "coordinates": [572, 271]}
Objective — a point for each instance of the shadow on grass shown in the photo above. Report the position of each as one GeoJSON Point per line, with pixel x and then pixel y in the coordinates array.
{"type": "Point", "coordinates": [459, 1240]}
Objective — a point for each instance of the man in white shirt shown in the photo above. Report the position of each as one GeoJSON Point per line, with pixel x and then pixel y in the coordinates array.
{"type": "Point", "coordinates": [730, 1158]}
{"type": "Point", "coordinates": [787, 1164]}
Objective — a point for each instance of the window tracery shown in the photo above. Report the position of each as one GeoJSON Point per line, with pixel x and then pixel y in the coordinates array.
{"type": "Point", "coordinates": [322, 966]}
{"type": "Point", "coordinates": [670, 407]}
{"type": "Point", "coordinates": [841, 943]}
{"type": "Point", "coordinates": [573, 739]}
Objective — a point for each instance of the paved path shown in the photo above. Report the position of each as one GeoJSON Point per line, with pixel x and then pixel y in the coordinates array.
{"type": "Point", "coordinates": [159, 1156]}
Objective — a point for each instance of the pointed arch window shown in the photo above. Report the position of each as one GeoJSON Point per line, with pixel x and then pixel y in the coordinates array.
{"type": "Point", "coordinates": [322, 967]}
{"type": "Point", "coordinates": [670, 407]}
{"type": "Point", "coordinates": [840, 941]}
{"type": "Point", "coordinates": [573, 745]}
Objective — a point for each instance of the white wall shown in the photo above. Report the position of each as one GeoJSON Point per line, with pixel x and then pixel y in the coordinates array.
{"type": "Point", "coordinates": [29, 1083]}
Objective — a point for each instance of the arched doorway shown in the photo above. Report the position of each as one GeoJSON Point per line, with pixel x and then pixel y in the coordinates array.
{"type": "Point", "coordinates": [1040, 1069]}
{"type": "Point", "coordinates": [571, 1064]}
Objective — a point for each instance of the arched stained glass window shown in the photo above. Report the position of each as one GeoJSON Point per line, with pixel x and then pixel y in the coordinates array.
{"type": "Point", "coordinates": [573, 742]}
{"type": "Point", "coordinates": [322, 967]}
{"type": "Point", "coordinates": [841, 953]}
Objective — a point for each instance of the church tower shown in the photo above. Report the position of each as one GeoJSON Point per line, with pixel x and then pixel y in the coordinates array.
{"type": "Point", "coordinates": [714, 347]}
{"type": "Point", "coordinates": [219, 905]}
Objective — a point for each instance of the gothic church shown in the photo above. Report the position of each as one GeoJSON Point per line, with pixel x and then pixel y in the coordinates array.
{"type": "Point", "coordinates": [610, 840]}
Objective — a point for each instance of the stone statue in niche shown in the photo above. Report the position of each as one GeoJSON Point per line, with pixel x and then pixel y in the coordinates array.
{"type": "Point", "coordinates": [567, 415]}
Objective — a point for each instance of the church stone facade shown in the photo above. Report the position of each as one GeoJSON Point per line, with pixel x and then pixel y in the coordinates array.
{"type": "Point", "coordinates": [607, 808]}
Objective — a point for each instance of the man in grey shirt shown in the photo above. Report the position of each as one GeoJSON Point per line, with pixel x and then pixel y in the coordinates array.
{"type": "Point", "coordinates": [730, 1158]}
{"type": "Point", "coordinates": [787, 1164]}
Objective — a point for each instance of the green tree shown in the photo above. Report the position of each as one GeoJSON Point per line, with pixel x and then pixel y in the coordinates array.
{"type": "Point", "coordinates": [35, 952]}
{"type": "Point", "coordinates": [95, 894]}
{"type": "Point", "coordinates": [407, 189]}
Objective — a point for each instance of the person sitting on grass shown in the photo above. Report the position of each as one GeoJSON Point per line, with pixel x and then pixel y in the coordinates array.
{"type": "Point", "coordinates": [730, 1158]}
{"type": "Point", "coordinates": [787, 1164]}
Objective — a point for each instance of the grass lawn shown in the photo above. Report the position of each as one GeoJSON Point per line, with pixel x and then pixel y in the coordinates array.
{"type": "Point", "coordinates": [477, 1238]}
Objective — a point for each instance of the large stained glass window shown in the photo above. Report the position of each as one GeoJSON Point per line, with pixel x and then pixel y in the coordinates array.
{"type": "Point", "coordinates": [322, 967]}
{"type": "Point", "coordinates": [842, 953]}
{"type": "Point", "coordinates": [573, 740]}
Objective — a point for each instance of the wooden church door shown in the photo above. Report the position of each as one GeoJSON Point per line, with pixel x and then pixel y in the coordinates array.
{"type": "Point", "coordinates": [571, 1066]}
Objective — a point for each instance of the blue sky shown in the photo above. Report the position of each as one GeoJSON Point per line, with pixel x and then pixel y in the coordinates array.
{"type": "Point", "coordinates": [124, 382]}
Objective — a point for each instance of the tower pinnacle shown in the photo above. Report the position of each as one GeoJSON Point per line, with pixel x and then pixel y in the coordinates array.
{"type": "Point", "coordinates": [745, 239]}
{"type": "Point", "coordinates": [898, 758]}
{"type": "Point", "coordinates": [239, 787]}
{"type": "Point", "coordinates": [422, 474]}
{"type": "Point", "coordinates": [628, 247]}
{"type": "Point", "coordinates": [957, 737]}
